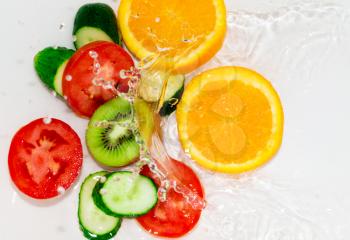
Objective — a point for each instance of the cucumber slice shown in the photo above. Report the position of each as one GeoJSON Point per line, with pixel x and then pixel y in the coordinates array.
{"type": "Point", "coordinates": [57, 81]}
{"type": "Point", "coordinates": [95, 22]}
{"type": "Point", "coordinates": [125, 194]}
{"type": "Point", "coordinates": [169, 105]}
{"type": "Point", "coordinates": [150, 89]}
{"type": "Point", "coordinates": [94, 223]}
{"type": "Point", "coordinates": [86, 35]}
{"type": "Point", "coordinates": [50, 64]}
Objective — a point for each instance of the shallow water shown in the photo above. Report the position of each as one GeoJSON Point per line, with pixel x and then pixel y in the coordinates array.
{"type": "Point", "coordinates": [303, 194]}
{"type": "Point", "coordinates": [293, 47]}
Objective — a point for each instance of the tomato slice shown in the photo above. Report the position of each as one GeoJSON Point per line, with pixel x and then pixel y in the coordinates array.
{"type": "Point", "coordinates": [176, 216]}
{"type": "Point", "coordinates": [45, 158]}
{"type": "Point", "coordinates": [92, 75]}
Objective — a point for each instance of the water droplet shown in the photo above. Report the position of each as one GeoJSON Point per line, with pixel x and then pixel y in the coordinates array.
{"type": "Point", "coordinates": [157, 20]}
{"type": "Point", "coordinates": [61, 190]}
{"type": "Point", "coordinates": [122, 74]}
{"type": "Point", "coordinates": [97, 178]}
{"type": "Point", "coordinates": [55, 47]}
{"type": "Point", "coordinates": [74, 38]}
{"type": "Point", "coordinates": [103, 179]}
{"type": "Point", "coordinates": [69, 78]}
{"type": "Point", "coordinates": [103, 191]}
{"type": "Point", "coordinates": [47, 120]}
{"type": "Point", "coordinates": [54, 93]}
{"type": "Point", "coordinates": [162, 194]}
{"type": "Point", "coordinates": [97, 65]}
{"type": "Point", "coordinates": [65, 97]}
{"type": "Point", "coordinates": [61, 26]}
{"type": "Point", "coordinates": [93, 54]}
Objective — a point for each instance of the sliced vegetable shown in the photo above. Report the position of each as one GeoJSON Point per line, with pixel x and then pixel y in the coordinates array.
{"type": "Point", "coordinates": [94, 223]}
{"type": "Point", "coordinates": [150, 89]}
{"type": "Point", "coordinates": [170, 104]}
{"type": "Point", "coordinates": [177, 215]}
{"type": "Point", "coordinates": [45, 158]}
{"type": "Point", "coordinates": [95, 22]}
{"type": "Point", "coordinates": [50, 64]}
{"type": "Point", "coordinates": [125, 194]}
{"type": "Point", "coordinates": [92, 76]}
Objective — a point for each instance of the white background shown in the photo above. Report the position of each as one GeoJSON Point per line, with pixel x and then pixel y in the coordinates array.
{"type": "Point", "coordinates": [315, 89]}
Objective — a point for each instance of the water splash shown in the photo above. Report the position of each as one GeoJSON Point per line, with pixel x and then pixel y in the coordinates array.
{"type": "Point", "coordinates": [288, 45]}
{"type": "Point", "coordinates": [147, 156]}
{"type": "Point", "coordinates": [47, 120]}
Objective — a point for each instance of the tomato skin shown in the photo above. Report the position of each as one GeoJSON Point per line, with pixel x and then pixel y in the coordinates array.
{"type": "Point", "coordinates": [175, 217]}
{"type": "Point", "coordinates": [64, 153]}
{"type": "Point", "coordinates": [77, 84]}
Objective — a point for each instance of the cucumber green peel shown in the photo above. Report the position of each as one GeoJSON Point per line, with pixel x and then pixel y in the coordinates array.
{"type": "Point", "coordinates": [94, 223]}
{"type": "Point", "coordinates": [49, 64]}
{"type": "Point", "coordinates": [125, 194]}
{"type": "Point", "coordinates": [151, 85]}
{"type": "Point", "coordinates": [169, 105]}
{"type": "Point", "coordinates": [95, 22]}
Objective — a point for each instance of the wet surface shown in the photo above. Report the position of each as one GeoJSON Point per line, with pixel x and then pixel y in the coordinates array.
{"type": "Point", "coordinates": [302, 47]}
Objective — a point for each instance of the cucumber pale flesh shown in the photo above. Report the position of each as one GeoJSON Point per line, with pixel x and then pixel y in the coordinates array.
{"type": "Point", "coordinates": [125, 194]}
{"type": "Point", "coordinates": [95, 22]}
{"type": "Point", "coordinates": [151, 87]}
{"type": "Point", "coordinates": [86, 35]}
{"type": "Point", "coordinates": [94, 223]}
{"type": "Point", "coordinates": [49, 65]}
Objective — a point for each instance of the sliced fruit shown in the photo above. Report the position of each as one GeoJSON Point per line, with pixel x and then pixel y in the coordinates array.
{"type": "Point", "coordinates": [109, 138]}
{"type": "Point", "coordinates": [50, 64]}
{"type": "Point", "coordinates": [187, 35]}
{"type": "Point", "coordinates": [45, 158]}
{"type": "Point", "coordinates": [95, 22]}
{"type": "Point", "coordinates": [92, 76]}
{"type": "Point", "coordinates": [230, 119]}
{"type": "Point", "coordinates": [94, 223]}
{"type": "Point", "coordinates": [176, 216]}
{"type": "Point", "coordinates": [125, 194]}
{"type": "Point", "coordinates": [145, 119]}
{"type": "Point", "coordinates": [150, 89]}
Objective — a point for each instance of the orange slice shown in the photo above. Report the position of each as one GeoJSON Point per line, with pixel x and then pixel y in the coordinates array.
{"type": "Point", "coordinates": [230, 119]}
{"type": "Point", "coordinates": [188, 33]}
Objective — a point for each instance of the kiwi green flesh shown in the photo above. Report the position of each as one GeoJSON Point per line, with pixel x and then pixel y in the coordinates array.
{"type": "Point", "coordinates": [112, 145]}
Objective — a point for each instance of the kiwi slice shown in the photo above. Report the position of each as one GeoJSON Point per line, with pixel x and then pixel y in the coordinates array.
{"type": "Point", "coordinates": [109, 139]}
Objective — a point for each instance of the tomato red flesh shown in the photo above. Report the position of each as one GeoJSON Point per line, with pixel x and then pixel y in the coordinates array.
{"type": "Point", "coordinates": [92, 75]}
{"type": "Point", "coordinates": [176, 216]}
{"type": "Point", "coordinates": [44, 157]}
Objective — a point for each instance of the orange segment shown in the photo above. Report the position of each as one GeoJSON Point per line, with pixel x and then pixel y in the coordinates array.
{"type": "Point", "coordinates": [228, 105]}
{"type": "Point", "coordinates": [227, 137]}
{"type": "Point", "coordinates": [189, 33]}
{"type": "Point", "coordinates": [230, 119]}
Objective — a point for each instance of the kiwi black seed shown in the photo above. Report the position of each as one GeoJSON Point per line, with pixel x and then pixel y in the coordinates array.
{"type": "Point", "coordinates": [108, 137]}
